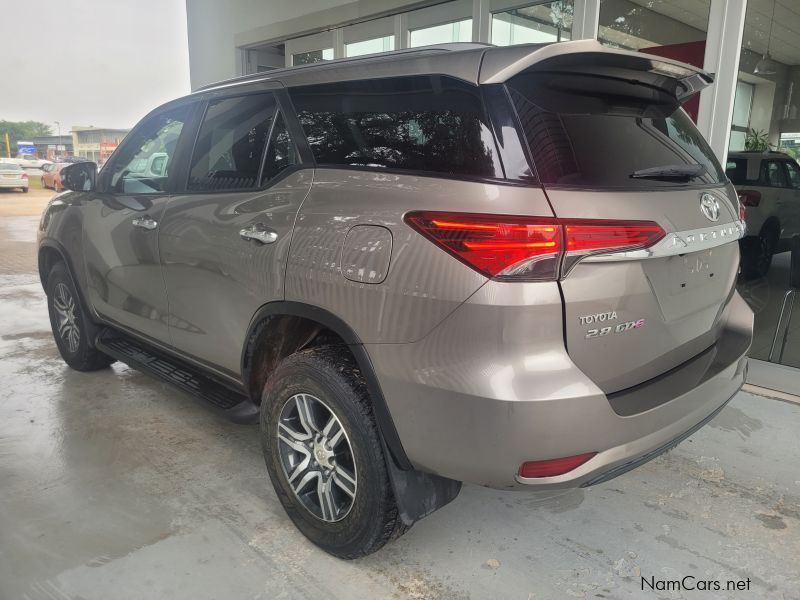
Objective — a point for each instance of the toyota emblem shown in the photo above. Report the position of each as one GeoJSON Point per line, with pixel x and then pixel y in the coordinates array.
{"type": "Point", "coordinates": [709, 206]}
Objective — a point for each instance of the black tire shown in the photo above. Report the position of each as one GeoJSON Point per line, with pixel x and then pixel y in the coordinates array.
{"type": "Point", "coordinates": [24, 190]}
{"type": "Point", "coordinates": [72, 333]}
{"type": "Point", "coordinates": [330, 374]}
{"type": "Point", "coordinates": [757, 253]}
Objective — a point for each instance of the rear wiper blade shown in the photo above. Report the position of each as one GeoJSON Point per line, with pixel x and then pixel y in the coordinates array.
{"type": "Point", "coordinates": [670, 172]}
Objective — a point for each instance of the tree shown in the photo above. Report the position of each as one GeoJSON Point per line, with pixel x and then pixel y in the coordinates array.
{"type": "Point", "coordinates": [21, 130]}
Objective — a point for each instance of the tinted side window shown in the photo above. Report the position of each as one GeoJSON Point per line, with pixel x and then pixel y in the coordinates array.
{"type": "Point", "coordinates": [144, 161]}
{"type": "Point", "coordinates": [772, 173]}
{"type": "Point", "coordinates": [231, 142]}
{"type": "Point", "coordinates": [425, 123]}
{"type": "Point", "coordinates": [794, 174]}
{"type": "Point", "coordinates": [736, 170]}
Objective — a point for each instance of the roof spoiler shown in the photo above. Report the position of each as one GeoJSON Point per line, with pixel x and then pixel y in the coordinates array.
{"type": "Point", "coordinates": [589, 57]}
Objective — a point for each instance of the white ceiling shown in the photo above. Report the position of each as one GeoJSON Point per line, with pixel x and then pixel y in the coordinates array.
{"type": "Point", "coordinates": [785, 44]}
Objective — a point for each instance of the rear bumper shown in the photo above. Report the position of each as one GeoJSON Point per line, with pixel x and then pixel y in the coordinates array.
{"type": "Point", "coordinates": [493, 387]}
{"type": "Point", "coordinates": [13, 183]}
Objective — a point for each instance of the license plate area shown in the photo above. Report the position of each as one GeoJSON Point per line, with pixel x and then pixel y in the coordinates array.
{"type": "Point", "coordinates": [694, 270]}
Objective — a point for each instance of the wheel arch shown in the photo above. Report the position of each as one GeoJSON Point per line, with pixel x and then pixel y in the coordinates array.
{"type": "Point", "coordinates": [50, 252]}
{"type": "Point", "coordinates": [305, 323]}
{"type": "Point", "coordinates": [772, 223]}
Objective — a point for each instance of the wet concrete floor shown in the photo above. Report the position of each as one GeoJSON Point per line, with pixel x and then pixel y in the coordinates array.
{"type": "Point", "coordinates": [114, 486]}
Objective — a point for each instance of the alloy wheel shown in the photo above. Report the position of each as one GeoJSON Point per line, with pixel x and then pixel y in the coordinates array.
{"type": "Point", "coordinates": [65, 308]}
{"type": "Point", "coordinates": [316, 457]}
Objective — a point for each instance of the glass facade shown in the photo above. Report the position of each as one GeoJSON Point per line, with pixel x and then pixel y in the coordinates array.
{"type": "Point", "coordinates": [538, 24]}
{"type": "Point", "coordinates": [762, 164]}
{"type": "Point", "coordinates": [304, 58]}
{"type": "Point", "coordinates": [373, 46]}
{"type": "Point", "coordinates": [457, 31]}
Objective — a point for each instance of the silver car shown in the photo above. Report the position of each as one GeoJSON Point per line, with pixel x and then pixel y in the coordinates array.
{"type": "Point", "coordinates": [513, 267]}
{"type": "Point", "coordinates": [12, 176]}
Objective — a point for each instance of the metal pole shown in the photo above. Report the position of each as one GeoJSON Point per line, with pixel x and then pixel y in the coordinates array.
{"type": "Point", "coordinates": [58, 143]}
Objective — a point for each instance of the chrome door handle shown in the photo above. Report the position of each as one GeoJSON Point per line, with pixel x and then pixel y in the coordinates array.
{"type": "Point", "coordinates": [259, 233]}
{"type": "Point", "coordinates": [145, 222]}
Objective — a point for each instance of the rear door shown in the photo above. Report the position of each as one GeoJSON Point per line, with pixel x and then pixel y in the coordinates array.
{"type": "Point", "coordinates": [791, 205]}
{"type": "Point", "coordinates": [611, 143]}
{"type": "Point", "coordinates": [226, 234]}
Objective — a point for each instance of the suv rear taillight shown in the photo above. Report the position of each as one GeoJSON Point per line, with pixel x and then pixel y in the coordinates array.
{"type": "Point", "coordinates": [528, 248]}
{"type": "Point", "coordinates": [24, 175]}
{"type": "Point", "coordinates": [750, 197]}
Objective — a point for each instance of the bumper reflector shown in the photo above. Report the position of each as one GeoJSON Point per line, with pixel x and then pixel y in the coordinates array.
{"type": "Point", "coordinates": [553, 466]}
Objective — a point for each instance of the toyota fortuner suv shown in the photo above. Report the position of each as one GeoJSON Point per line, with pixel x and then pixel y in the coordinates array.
{"type": "Point", "coordinates": [768, 185]}
{"type": "Point", "coordinates": [513, 267]}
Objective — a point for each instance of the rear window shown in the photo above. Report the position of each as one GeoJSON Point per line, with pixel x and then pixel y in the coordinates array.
{"type": "Point", "coordinates": [423, 123]}
{"type": "Point", "coordinates": [10, 167]}
{"type": "Point", "coordinates": [230, 146]}
{"type": "Point", "coordinates": [594, 132]}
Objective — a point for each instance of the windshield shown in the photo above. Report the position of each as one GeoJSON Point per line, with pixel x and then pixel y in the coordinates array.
{"type": "Point", "coordinates": [594, 132]}
{"type": "Point", "coordinates": [9, 167]}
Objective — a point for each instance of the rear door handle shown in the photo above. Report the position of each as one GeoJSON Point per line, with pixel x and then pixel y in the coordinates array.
{"type": "Point", "coordinates": [145, 222]}
{"type": "Point", "coordinates": [259, 233]}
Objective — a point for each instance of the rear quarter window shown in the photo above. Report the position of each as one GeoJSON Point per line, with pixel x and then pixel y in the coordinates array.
{"type": "Point", "coordinates": [424, 123]}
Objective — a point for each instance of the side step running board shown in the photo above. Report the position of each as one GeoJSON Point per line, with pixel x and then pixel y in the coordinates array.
{"type": "Point", "coordinates": [233, 403]}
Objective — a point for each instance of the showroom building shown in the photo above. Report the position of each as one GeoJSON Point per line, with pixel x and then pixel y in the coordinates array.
{"type": "Point", "coordinates": [751, 46]}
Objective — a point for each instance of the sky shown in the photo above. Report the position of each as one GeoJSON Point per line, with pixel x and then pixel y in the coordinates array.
{"type": "Point", "coordinates": [104, 63]}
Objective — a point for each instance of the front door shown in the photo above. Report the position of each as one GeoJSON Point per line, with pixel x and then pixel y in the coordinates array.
{"type": "Point", "coordinates": [791, 206]}
{"type": "Point", "coordinates": [121, 228]}
{"type": "Point", "coordinates": [225, 240]}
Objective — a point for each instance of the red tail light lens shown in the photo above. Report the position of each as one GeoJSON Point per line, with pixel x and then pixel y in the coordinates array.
{"type": "Point", "coordinates": [590, 236]}
{"type": "Point", "coordinates": [495, 245]}
{"type": "Point", "coordinates": [527, 248]}
{"type": "Point", "coordinates": [553, 466]}
{"type": "Point", "coordinates": [24, 175]}
{"type": "Point", "coordinates": [750, 197]}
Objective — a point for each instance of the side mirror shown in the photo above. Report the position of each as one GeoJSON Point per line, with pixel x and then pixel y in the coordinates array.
{"type": "Point", "coordinates": [79, 177]}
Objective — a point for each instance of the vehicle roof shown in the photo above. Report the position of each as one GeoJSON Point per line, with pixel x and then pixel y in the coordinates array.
{"type": "Point", "coordinates": [758, 154]}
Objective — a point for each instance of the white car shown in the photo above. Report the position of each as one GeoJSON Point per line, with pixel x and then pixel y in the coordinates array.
{"type": "Point", "coordinates": [12, 176]}
{"type": "Point", "coordinates": [31, 162]}
{"type": "Point", "coordinates": [768, 185]}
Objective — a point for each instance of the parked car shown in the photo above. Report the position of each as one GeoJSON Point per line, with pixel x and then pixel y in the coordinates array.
{"type": "Point", "coordinates": [506, 266]}
{"type": "Point", "coordinates": [12, 176]}
{"type": "Point", "coordinates": [27, 161]}
{"type": "Point", "coordinates": [51, 176]}
{"type": "Point", "coordinates": [768, 184]}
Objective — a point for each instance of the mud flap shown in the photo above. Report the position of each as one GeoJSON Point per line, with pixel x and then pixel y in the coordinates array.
{"type": "Point", "coordinates": [418, 494]}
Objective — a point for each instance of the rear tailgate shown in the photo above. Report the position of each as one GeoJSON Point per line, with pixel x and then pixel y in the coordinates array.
{"type": "Point", "coordinates": [610, 143]}
{"type": "Point", "coordinates": [632, 317]}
